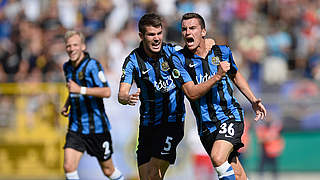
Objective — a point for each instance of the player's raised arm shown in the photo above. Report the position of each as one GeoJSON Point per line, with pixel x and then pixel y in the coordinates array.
{"type": "Point", "coordinates": [194, 92]}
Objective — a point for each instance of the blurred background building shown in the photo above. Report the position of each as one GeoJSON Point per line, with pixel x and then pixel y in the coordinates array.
{"type": "Point", "coordinates": [276, 45]}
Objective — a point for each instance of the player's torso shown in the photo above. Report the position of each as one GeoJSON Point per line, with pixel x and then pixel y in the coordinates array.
{"type": "Point", "coordinates": [87, 113]}
{"type": "Point", "coordinates": [202, 69]}
{"type": "Point", "coordinates": [160, 99]}
{"type": "Point", "coordinates": [218, 104]}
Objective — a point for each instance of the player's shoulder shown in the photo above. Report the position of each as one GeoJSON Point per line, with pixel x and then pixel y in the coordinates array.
{"type": "Point", "coordinates": [170, 47]}
{"type": "Point", "coordinates": [224, 48]}
{"type": "Point", "coordinates": [177, 55]}
{"type": "Point", "coordinates": [131, 59]}
{"type": "Point", "coordinates": [132, 55]}
{"type": "Point", "coordinates": [66, 65]}
{"type": "Point", "coordinates": [92, 61]}
{"type": "Point", "coordinates": [183, 53]}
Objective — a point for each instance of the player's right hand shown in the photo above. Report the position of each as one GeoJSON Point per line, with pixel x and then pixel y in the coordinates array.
{"type": "Point", "coordinates": [134, 98]}
{"type": "Point", "coordinates": [223, 68]}
{"type": "Point", "coordinates": [64, 112]}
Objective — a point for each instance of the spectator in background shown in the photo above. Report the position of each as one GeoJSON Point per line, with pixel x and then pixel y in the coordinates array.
{"type": "Point", "coordinates": [272, 144]}
{"type": "Point", "coordinates": [89, 126]}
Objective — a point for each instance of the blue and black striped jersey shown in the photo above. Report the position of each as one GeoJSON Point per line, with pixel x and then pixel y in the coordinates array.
{"type": "Point", "coordinates": [161, 101]}
{"type": "Point", "coordinates": [87, 113]}
{"type": "Point", "coordinates": [218, 104]}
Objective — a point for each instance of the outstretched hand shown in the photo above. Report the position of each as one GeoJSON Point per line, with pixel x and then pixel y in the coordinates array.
{"type": "Point", "coordinates": [259, 109]}
{"type": "Point", "coordinates": [133, 98]}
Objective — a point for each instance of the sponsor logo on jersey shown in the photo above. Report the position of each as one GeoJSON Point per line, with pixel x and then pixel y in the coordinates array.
{"type": "Point", "coordinates": [203, 78]}
{"type": "Point", "coordinates": [164, 85]}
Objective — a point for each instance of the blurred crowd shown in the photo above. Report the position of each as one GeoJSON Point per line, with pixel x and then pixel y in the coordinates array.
{"type": "Point", "coordinates": [275, 42]}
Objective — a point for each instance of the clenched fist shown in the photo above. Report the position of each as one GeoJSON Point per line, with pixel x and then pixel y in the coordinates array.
{"type": "Point", "coordinates": [223, 68]}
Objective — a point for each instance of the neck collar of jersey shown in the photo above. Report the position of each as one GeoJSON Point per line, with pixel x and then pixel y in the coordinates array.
{"type": "Point", "coordinates": [190, 54]}
{"type": "Point", "coordinates": [86, 56]}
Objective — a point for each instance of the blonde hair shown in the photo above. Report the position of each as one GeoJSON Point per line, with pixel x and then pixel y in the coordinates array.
{"type": "Point", "coordinates": [71, 33]}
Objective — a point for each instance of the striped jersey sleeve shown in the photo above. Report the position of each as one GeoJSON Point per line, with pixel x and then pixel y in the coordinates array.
{"type": "Point", "coordinates": [127, 71]}
{"type": "Point", "coordinates": [227, 56]}
{"type": "Point", "coordinates": [97, 73]}
{"type": "Point", "coordinates": [179, 71]}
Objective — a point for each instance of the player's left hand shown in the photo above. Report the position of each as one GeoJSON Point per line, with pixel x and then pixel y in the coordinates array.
{"type": "Point", "coordinates": [73, 87]}
{"type": "Point", "coordinates": [259, 109]}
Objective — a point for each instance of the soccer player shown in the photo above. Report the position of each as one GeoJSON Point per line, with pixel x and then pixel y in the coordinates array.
{"type": "Point", "coordinates": [88, 123]}
{"type": "Point", "coordinates": [205, 77]}
{"type": "Point", "coordinates": [162, 110]}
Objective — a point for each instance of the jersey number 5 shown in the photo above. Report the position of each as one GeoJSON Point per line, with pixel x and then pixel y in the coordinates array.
{"type": "Point", "coordinates": [168, 143]}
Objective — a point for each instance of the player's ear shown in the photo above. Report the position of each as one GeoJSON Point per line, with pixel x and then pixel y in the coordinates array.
{"type": "Point", "coordinates": [203, 32]}
{"type": "Point", "coordinates": [83, 46]}
{"type": "Point", "coordinates": [141, 35]}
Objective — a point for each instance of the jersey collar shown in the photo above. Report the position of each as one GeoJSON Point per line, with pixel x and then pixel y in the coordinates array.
{"type": "Point", "coordinates": [189, 54]}
{"type": "Point", "coordinates": [85, 57]}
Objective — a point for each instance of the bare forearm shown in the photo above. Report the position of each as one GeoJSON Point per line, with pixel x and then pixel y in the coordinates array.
{"type": "Point", "coordinates": [123, 98]}
{"type": "Point", "coordinates": [101, 92]}
{"type": "Point", "coordinates": [98, 92]}
{"type": "Point", "coordinates": [244, 87]}
{"type": "Point", "coordinates": [194, 92]}
{"type": "Point", "coordinates": [123, 95]}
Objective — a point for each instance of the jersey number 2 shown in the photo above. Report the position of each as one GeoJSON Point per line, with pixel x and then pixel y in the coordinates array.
{"type": "Point", "coordinates": [107, 149]}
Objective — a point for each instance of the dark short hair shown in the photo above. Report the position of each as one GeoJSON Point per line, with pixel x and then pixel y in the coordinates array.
{"type": "Point", "coordinates": [187, 16]}
{"type": "Point", "coordinates": [149, 19]}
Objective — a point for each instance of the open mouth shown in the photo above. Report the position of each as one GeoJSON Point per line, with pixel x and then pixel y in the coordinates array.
{"type": "Point", "coordinates": [156, 45]}
{"type": "Point", "coordinates": [189, 40]}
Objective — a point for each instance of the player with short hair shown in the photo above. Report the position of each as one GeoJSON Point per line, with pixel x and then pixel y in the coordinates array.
{"type": "Point", "coordinates": [89, 126]}
{"type": "Point", "coordinates": [162, 110]}
{"type": "Point", "coordinates": [206, 77]}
